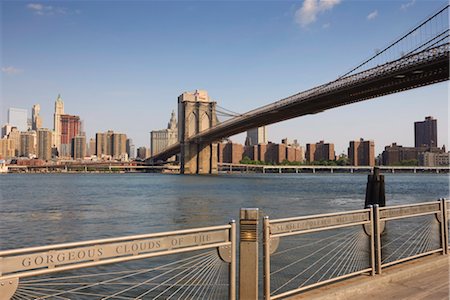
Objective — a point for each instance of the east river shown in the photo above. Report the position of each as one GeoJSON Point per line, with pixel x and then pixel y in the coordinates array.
{"type": "Point", "coordinates": [41, 209]}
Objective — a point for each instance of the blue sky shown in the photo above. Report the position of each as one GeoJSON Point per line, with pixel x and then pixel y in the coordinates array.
{"type": "Point", "coordinates": [120, 65]}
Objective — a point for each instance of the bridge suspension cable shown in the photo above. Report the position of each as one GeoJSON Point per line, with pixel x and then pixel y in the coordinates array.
{"type": "Point", "coordinates": [435, 27]}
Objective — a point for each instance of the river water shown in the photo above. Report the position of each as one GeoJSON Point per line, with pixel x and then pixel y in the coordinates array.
{"type": "Point", "coordinates": [40, 209]}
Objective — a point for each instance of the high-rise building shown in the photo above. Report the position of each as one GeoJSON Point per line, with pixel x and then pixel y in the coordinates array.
{"type": "Point", "coordinates": [6, 148]}
{"type": "Point", "coordinates": [6, 129]}
{"type": "Point", "coordinates": [79, 147]}
{"type": "Point", "coordinates": [131, 150]}
{"type": "Point", "coordinates": [143, 152]}
{"type": "Point", "coordinates": [101, 145]}
{"type": "Point", "coordinates": [361, 153]}
{"type": "Point", "coordinates": [320, 151]}
{"type": "Point", "coordinates": [28, 143]}
{"type": "Point", "coordinates": [18, 117]}
{"type": "Point", "coordinates": [110, 144]}
{"type": "Point", "coordinates": [14, 135]}
{"type": "Point", "coordinates": [44, 144]}
{"type": "Point", "coordinates": [425, 133]}
{"type": "Point", "coordinates": [70, 127]}
{"type": "Point", "coordinates": [119, 145]}
{"type": "Point", "coordinates": [36, 120]}
{"type": "Point", "coordinates": [59, 110]}
{"type": "Point", "coordinates": [161, 139]}
{"type": "Point", "coordinates": [256, 136]}
{"type": "Point", "coordinates": [91, 147]}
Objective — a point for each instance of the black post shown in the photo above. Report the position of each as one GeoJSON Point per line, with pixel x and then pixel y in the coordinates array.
{"type": "Point", "coordinates": [375, 192]}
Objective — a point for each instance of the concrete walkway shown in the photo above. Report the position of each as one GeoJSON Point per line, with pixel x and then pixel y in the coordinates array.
{"type": "Point", "coordinates": [424, 278]}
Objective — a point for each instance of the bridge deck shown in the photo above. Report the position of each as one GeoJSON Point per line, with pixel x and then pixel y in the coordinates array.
{"type": "Point", "coordinates": [426, 278]}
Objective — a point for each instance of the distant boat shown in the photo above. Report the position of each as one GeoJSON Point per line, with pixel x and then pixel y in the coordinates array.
{"type": "Point", "coordinates": [3, 167]}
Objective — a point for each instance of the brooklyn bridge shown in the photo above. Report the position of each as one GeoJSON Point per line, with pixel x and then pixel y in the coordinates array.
{"type": "Point", "coordinates": [418, 58]}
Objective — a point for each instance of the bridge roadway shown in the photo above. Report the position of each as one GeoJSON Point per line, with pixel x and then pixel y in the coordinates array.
{"type": "Point", "coordinates": [420, 69]}
{"type": "Point", "coordinates": [101, 166]}
{"type": "Point", "coordinates": [331, 169]}
{"type": "Point", "coordinates": [424, 278]}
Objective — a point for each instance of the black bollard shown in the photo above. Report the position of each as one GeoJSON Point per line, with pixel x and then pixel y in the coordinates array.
{"type": "Point", "coordinates": [375, 193]}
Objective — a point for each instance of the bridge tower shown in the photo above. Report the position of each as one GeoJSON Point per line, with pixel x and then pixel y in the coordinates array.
{"type": "Point", "coordinates": [196, 112]}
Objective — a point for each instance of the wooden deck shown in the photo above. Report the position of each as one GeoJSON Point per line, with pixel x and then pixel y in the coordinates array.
{"type": "Point", "coordinates": [425, 278]}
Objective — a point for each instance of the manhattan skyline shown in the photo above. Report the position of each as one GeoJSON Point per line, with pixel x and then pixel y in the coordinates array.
{"type": "Point", "coordinates": [123, 71]}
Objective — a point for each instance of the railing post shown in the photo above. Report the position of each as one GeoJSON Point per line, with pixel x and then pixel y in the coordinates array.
{"type": "Point", "coordinates": [266, 253]}
{"type": "Point", "coordinates": [232, 285]}
{"type": "Point", "coordinates": [444, 226]}
{"type": "Point", "coordinates": [248, 252]}
{"type": "Point", "coordinates": [372, 240]}
{"type": "Point", "coordinates": [377, 238]}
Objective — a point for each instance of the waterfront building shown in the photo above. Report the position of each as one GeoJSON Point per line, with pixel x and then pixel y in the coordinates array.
{"type": "Point", "coordinates": [143, 152]}
{"type": "Point", "coordinates": [27, 144]}
{"type": "Point", "coordinates": [91, 147]}
{"type": "Point", "coordinates": [425, 133]}
{"type": "Point", "coordinates": [256, 136]}
{"type": "Point", "coordinates": [273, 153]}
{"type": "Point", "coordinates": [79, 147]}
{"type": "Point", "coordinates": [59, 110]}
{"type": "Point", "coordinates": [110, 144]}
{"type": "Point", "coordinates": [70, 127]}
{"type": "Point", "coordinates": [6, 129]}
{"type": "Point", "coordinates": [101, 144]}
{"type": "Point", "coordinates": [131, 151]}
{"type": "Point", "coordinates": [36, 119]}
{"type": "Point", "coordinates": [18, 117]}
{"type": "Point", "coordinates": [294, 152]}
{"type": "Point", "coordinates": [320, 151]}
{"type": "Point", "coordinates": [433, 159]}
{"type": "Point", "coordinates": [119, 145]}
{"type": "Point", "coordinates": [397, 154]}
{"type": "Point", "coordinates": [14, 135]}
{"type": "Point", "coordinates": [44, 144]}
{"type": "Point", "coordinates": [230, 152]}
{"type": "Point", "coordinates": [7, 150]}
{"type": "Point", "coordinates": [161, 139]}
{"type": "Point", "coordinates": [361, 153]}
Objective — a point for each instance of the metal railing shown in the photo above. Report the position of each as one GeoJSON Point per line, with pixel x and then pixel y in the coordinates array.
{"type": "Point", "coordinates": [194, 276]}
{"type": "Point", "coordinates": [299, 253]}
{"type": "Point", "coordinates": [446, 208]}
{"type": "Point", "coordinates": [399, 239]}
{"type": "Point", "coordinates": [332, 257]}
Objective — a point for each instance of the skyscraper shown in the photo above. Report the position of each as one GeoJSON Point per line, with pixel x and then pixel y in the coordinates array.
{"type": "Point", "coordinates": [6, 148]}
{"type": "Point", "coordinates": [361, 153]}
{"type": "Point", "coordinates": [256, 136]}
{"type": "Point", "coordinates": [28, 143]}
{"type": "Point", "coordinates": [91, 147]}
{"type": "Point", "coordinates": [161, 139]}
{"type": "Point", "coordinates": [35, 117]}
{"type": "Point", "coordinates": [143, 152]}
{"type": "Point", "coordinates": [131, 150]}
{"type": "Point", "coordinates": [79, 147]}
{"type": "Point", "coordinates": [6, 129]}
{"type": "Point", "coordinates": [44, 144]}
{"type": "Point", "coordinates": [14, 135]}
{"type": "Point", "coordinates": [18, 117]}
{"type": "Point", "coordinates": [111, 144]}
{"type": "Point", "coordinates": [425, 133]}
{"type": "Point", "coordinates": [119, 145]}
{"type": "Point", "coordinates": [70, 127]}
{"type": "Point", "coordinates": [59, 110]}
